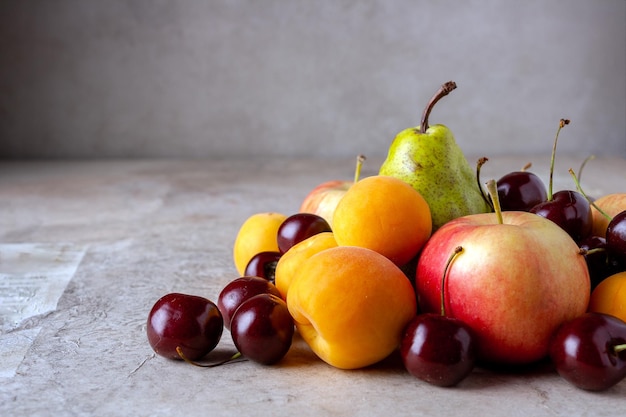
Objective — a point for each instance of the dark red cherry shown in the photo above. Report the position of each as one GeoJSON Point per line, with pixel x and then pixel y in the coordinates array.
{"type": "Point", "coordinates": [616, 236]}
{"type": "Point", "coordinates": [262, 329]}
{"type": "Point", "coordinates": [521, 191]}
{"type": "Point", "coordinates": [190, 322]}
{"type": "Point", "coordinates": [437, 349]}
{"type": "Point", "coordinates": [600, 262]}
{"type": "Point", "coordinates": [570, 210]}
{"type": "Point", "coordinates": [239, 290]}
{"type": "Point", "coordinates": [590, 351]}
{"type": "Point", "coordinates": [263, 265]}
{"type": "Point", "coordinates": [298, 227]}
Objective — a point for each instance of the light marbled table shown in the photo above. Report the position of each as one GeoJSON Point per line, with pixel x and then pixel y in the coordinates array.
{"type": "Point", "coordinates": [128, 232]}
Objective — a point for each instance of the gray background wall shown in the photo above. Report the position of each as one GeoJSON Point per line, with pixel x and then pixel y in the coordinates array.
{"type": "Point", "coordinates": [135, 78]}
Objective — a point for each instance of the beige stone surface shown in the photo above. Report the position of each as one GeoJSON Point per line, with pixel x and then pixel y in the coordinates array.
{"type": "Point", "coordinates": [149, 227]}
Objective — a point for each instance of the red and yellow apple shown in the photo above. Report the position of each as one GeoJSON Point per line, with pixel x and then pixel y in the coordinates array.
{"type": "Point", "coordinates": [514, 282]}
{"type": "Point", "coordinates": [323, 199]}
{"type": "Point", "coordinates": [611, 204]}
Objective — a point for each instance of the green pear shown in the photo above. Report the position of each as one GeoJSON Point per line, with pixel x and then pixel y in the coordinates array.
{"type": "Point", "coordinates": [429, 159]}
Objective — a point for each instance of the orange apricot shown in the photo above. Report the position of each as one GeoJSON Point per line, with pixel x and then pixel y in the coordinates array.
{"type": "Point", "coordinates": [384, 214]}
{"type": "Point", "coordinates": [609, 296]}
{"type": "Point", "coordinates": [256, 234]}
{"type": "Point", "coordinates": [291, 260]}
{"type": "Point", "coordinates": [351, 305]}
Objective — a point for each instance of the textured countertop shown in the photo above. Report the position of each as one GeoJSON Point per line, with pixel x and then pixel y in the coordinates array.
{"type": "Point", "coordinates": [106, 239]}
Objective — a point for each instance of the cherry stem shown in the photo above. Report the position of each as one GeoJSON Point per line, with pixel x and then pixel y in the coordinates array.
{"type": "Point", "coordinates": [582, 166]}
{"type": "Point", "coordinates": [526, 167]}
{"type": "Point", "coordinates": [206, 365]}
{"type": "Point", "coordinates": [359, 166]}
{"type": "Point", "coordinates": [443, 91]}
{"type": "Point", "coordinates": [590, 201]}
{"type": "Point", "coordinates": [562, 124]}
{"type": "Point", "coordinates": [457, 252]}
{"type": "Point", "coordinates": [492, 186]}
{"type": "Point", "coordinates": [586, 252]}
{"type": "Point", "coordinates": [619, 348]}
{"type": "Point", "coordinates": [479, 165]}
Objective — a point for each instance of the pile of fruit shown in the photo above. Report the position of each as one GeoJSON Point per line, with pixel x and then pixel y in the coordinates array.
{"type": "Point", "coordinates": [424, 259]}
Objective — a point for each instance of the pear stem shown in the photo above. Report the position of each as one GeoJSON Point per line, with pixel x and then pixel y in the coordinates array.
{"type": "Point", "coordinates": [492, 186]}
{"type": "Point", "coordinates": [562, 124]}
{"type": "Point", "coordinates": [590, 201]}
{"type": "Point", "coordinates": [443, 91]}
{"type": "Point", "coordinates": [359, 166]}
{"type": "Point", "coordinates": [479, 165]}
{"type": "Point", "coordinates": [207, 365]}
{"type": "Point", "coordinates": [457, 252]}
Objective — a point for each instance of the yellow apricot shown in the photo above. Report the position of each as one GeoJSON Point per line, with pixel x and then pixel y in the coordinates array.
{"type": "Point", "coordinates": [257, 234]}
{"type": "Point", "coordinates": [351, 305]}
{"type": "Point", "coordinates": [291, 260]}
{"type": "Point", "coordinates": [609, 296]}
{"type": "Point", "coordinates": [384, 214]}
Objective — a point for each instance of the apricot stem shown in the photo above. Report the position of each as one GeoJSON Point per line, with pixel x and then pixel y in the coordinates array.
{"type": "Point", "coordinates": [443, 91]}
{"type": "Point", "coordinates": [452, 257]}
{"type": "Point", "coordinates": [590, 201]}
{"type": "Point", "coordinates": [206, 365]}
{"type": "Point", "coordinates": [479, 165]}
{"type": "Point", "coordinates": [562, 124]}
{"type": "Point", "coordinates": [359, 166]}
{"type": "Point", "coordinates": [492, 187]}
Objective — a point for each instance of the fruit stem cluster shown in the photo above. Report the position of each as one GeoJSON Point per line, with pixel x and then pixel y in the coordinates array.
{"type": "Point", "coordinates": [443, 91]}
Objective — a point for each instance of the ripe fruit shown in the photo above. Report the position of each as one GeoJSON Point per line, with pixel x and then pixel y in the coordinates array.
{"type": "Point", "coordinates": [521, 191]}
{"type": "Point", "coordinates": [323, 199]}
{"type": "Point", "coordinates": [263, 265]}
{"type": "Point", "coordinates": [589, 351]}
{"type": "Point", "coordinates": [292, 260]}
{"type": "Point", "coordinates": [351, 305]}
{"type": "Point", "coordinates": [384, 214]}
{"type": "Point", "coordinates": [428, 158]}
{"type": "Point", "coordinates": [609, 297]}
{"type": "Point", "coordinates": [438, 349]}
{"type": "Point", "coordinates": [570, 210]}
{"type": "Point", "coordinates": [600, 263]}
{"type": "Point", "coordinates": [190, 322]}
{"type": "Point", "coordinates": [298, 227]}
{"type": "Point", "coordinates": [517, 280]}
{"type": "Point", "coordinates": [616, 236]}
{"type": "Point", "coordinates": [256, 234]}
{"type": "Point", "coordinates": [262, 329]}
{"type": "Point", "coordinates": [610, 204]}
{"type": "Point", "coordinates": [239, 290]}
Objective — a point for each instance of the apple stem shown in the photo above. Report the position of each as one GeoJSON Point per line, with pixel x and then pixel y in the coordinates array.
{"type": "Point", "coordinates": [562, 124]}
{"type": "Point", "coordinates": [457, 252]}
{"type": "Point", "coordinates": [590, 201]}
{"type": "Point", "coordinates": [492, 186]}
{"type": "Point", "coordinates": [443, 91]}
{"type": "Point", "coordinates": [236, 355]}
{"type": "Point", "coordinates": [359, 166]}
{"type": "Point", "coordinates": [479, 165]}
{"type": "Point", "coordinates": [619, 348]}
